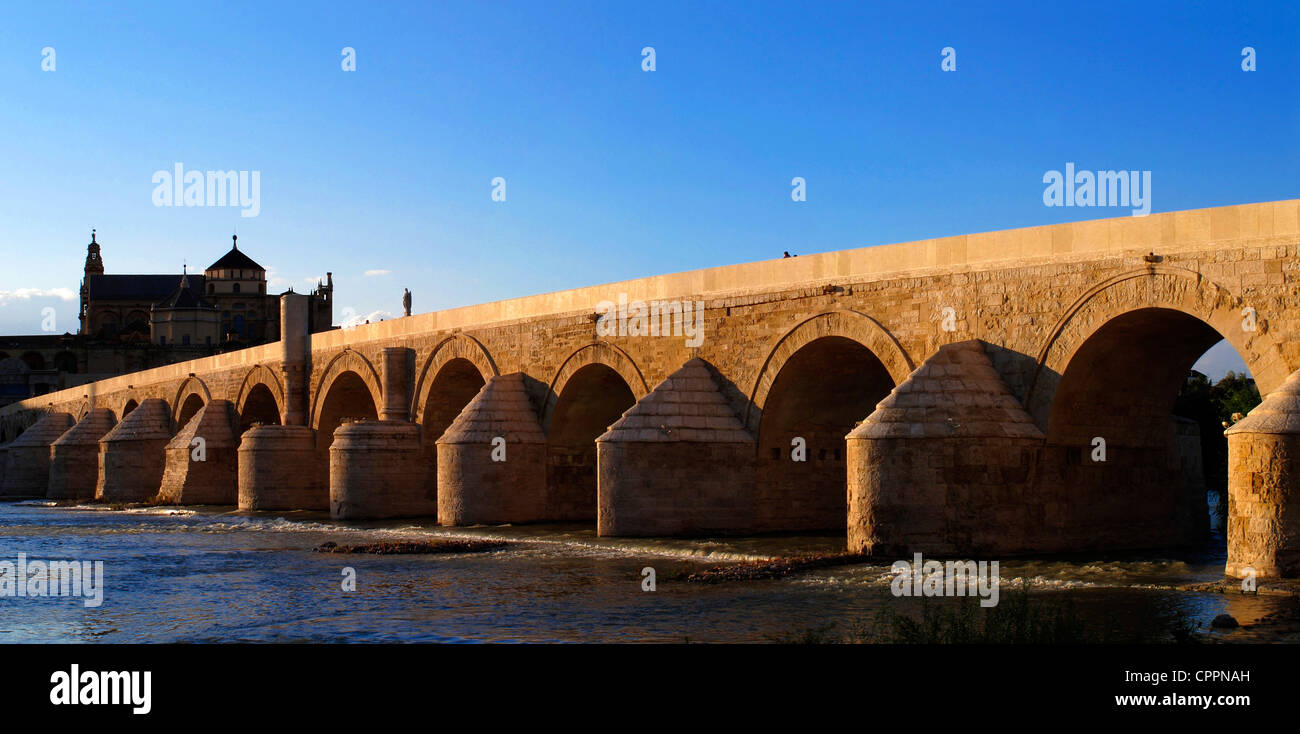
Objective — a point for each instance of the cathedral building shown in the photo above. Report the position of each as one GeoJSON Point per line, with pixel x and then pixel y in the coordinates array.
{"type": "Point", "coordinates": [133, 322]}
{"type": "Point", "coordinates": [131, 308]}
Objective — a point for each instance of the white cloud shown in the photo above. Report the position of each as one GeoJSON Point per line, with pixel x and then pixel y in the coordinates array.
{"type": "Point", "coordinates": [372, 273]}
{"type": "Point", "coordinates": [350, 320]}
{"type": "Point", "coordinates": [275, 283]}
{"type": "Point", "coordinates": [26, 294]}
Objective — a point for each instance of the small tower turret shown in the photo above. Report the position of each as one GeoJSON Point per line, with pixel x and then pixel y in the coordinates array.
{"type": "Point", "coordinates": [94, 263]}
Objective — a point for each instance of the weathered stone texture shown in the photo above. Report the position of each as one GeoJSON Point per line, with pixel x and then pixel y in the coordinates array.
{"type": "Point", "coordinates": [74, 457]}
{"type": "Point", "coordinates": [1264, 486]}
{"type": "Point", "coordinates": [492, 459]}
{"type": "Point", "coordinates": [280, 468]}
{"type": "Point", "coordinates": [679, 462]}
{"type": "Point", "coordinates": [945, 464]}
{"type": "Point", "coordinates": [212, 479]}
{"type": "Point", "coordinates": [132, 455]}
{"type": "Point", "coordinates": [377, 470]}
{"type": "Point", "coordinates": [27, 468]}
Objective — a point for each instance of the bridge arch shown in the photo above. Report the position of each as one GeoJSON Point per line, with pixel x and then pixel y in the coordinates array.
{"type": "Point", "coordinates": [819, 380]}
{"type": "Point", "coordinates": [260, 398]}
{"type": "Point", "coordinates": [1132, 474]}
{"type": "Point", "coordinates": [1153, 287]}
{"type": "Point", "coordinates": [190, 397]}
{"type": "Point", "coordinates": [129, 405]}
{"type": "Point", "coordinates": [850, 325]}
{"type": "Point", "coordinates": [462, 353]}
{"type": "Point", "coordinates": [594, 386]}
{"type": "Point", "coordinates": [346, 365]}
{"type": "Point", "coordinates": [348, 388]}
{"type": "Point", "coordinates": [596, 353]}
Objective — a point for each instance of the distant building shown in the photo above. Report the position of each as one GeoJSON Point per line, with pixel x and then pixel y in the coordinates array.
{"type": "Point", "coordinates": [185, 318]}
{"type": "Point", "coordinates": [124, 306]}
{"type": "Point", "coordinates": [134, 322]}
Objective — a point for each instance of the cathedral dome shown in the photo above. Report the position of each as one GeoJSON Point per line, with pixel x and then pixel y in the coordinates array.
{"type": "Point", "coordinates": [235, 260]}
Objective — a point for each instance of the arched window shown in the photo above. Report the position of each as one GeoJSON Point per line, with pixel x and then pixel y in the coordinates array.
{"type": "Point", "coordinates": [66, 362]}
{"type": "Point", "coordinates": [107, 324]}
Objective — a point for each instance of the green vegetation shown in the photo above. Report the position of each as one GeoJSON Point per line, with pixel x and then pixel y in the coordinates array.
{"type": "Point", "coordinates": [1211, 405]}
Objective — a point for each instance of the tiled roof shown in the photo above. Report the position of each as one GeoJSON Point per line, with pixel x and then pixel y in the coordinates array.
{"type": "Point", "coordinates": [89, 429]}
{"type": "Point", "coordinates": [955, 394]}
{"type": "Point", "coordinates": [213, 423]}
{"type": "Point", "coordinates": [151, 288]}
{"type": "Point", "coordinates": [150, 420]}
{"type": "Point", "coordinates": [501, 408]}
{"type": "Point", "coordinates": [185, 296]}
{"type": "Point", "coordinates": [44, 431]}
{"type": "Point", "coordinates": [235, 260]}
{"type": "Point", "coordinates": [688, 406]}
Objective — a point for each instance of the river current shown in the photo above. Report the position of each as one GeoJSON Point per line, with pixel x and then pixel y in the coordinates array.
{"type": "Point", "coordinates": [182, 574]}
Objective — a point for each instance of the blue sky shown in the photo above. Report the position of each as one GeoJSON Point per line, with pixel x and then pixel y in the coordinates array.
{"type": "Point", "coordinates": [611, 172]}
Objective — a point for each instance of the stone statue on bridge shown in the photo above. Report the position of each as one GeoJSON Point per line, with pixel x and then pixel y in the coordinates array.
{"type": "Point", "coordinates": [406, 301]}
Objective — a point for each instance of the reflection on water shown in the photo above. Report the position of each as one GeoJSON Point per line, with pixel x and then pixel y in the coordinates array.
{"type": "Point", "coordinates": [208, 575]}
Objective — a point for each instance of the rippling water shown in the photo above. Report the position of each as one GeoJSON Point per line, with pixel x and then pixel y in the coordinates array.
{"type": "Point", "coordinates": [208, 575]}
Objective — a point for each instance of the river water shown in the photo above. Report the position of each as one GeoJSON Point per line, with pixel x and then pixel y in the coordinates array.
{"type": "Point", "coordinates": [215, 575]}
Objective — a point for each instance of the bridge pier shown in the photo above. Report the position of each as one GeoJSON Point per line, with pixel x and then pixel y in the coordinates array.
{"type": "Point", "coordinates": [74, 457]}
{"type": "Point", "coordinates": [203, 472]}
{"type": "Point", "coordinates": [399, 373]}
{"type": "Point", "coordinates": [944, 465]}
{"type": "Point", "coordinates": [295, 357]}
{"type": "Point", "coordinates": [679, 462]}
{"type": "Point", "coordinates": [132, 455]}
{"type": "Point", "coordinates": [377, 470]}
{"type": "Point", "coordinates": [492, 459]}
{"type": "Point", "coordinates": [1264, 486]}
{"type": "Point", "coordinates": [281, 469]}
{"type": "Point", "coordinates": [27, 466]}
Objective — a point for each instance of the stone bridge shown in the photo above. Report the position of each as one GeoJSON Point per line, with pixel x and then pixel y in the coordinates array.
{"type": "Point", "coordinates": [998, 393]}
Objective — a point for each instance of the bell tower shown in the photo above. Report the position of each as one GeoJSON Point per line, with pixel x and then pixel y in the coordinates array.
{"type": "Point", "coordinates": [94, 266]}
{"type": "Point", "coordinates": [94, 263]}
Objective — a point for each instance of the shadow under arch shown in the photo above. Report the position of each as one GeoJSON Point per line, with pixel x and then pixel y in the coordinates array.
{"type": "Point", "coordinates": [348, 389]}
{"type": "Point", "coordinates": [1156, 287]}
{"type": "Point", "coordinates": [455, 347]}
{"type": "Point", "coordinates": [346, 362]}
{"type": "Point", "coordinates": [190, 397]}
{"type": "Point", "coordinates": [819, 380]}
{"type": "Point", "coordinates": [598, 352]}
{"type": "Point", "coordinates": [594, 386]}
{"type": "Point", "coordinates": [1126, 471]}
{"type": "Point", "coordinates": [260, 398]}
{"type": "Point", "coordinates": [850, 325]}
